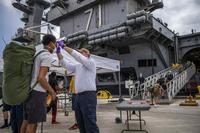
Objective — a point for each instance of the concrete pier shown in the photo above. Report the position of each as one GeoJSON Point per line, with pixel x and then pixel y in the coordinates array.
{"type": "Point", "coordinates": [163, 119]}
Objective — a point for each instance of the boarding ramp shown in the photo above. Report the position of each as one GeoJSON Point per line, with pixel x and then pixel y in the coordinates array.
{"type": "Point", "coordinates": [180, 77]}
{"type": "Point", "coordinates": [179, 81]}
{"type": "Point", "coordinates": [150, 80]}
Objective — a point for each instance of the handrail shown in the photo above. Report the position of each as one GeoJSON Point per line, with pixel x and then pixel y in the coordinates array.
{"type": "Point", "coordinates": [173, 86]}
{"type": "Point", "coordinates": [150, 80]}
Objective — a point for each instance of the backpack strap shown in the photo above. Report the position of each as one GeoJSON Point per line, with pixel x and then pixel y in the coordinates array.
{"type": "Point", "coordinates": [40, 52]}
{"type": "Point", "coordinates": [34, 85]}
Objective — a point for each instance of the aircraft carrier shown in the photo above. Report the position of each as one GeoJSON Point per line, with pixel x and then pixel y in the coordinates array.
{"type": "Point", "coordinates": [124, 30]}
{"type": "Point", "coordinates": [127, 31]}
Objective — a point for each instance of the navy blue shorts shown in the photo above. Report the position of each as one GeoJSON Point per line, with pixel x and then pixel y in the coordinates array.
{"type": "Point", "coordinates": [35, 107]}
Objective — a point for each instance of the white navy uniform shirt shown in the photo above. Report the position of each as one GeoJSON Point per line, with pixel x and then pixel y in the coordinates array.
{"type": "Point", "coordinates": [43, 59]}
{"type": "Point", "coordinates": [85, 72]}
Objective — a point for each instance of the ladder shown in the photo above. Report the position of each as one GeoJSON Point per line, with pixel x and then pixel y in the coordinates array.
{"type": "Point", "coordinates": [173, 87]}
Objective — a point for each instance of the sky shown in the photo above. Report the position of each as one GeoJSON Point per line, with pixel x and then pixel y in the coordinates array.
{"type": "Point", "coordinates": [10, 21]}
{"type": "Point", "coordinates": [181, 16]}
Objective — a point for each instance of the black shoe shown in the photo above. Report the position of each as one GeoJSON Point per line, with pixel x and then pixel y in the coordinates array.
{"type": "Point", "coordinates": [4, 126]}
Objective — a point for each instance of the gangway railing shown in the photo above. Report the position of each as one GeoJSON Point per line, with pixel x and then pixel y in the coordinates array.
{"type": "Point", "coordinates": [173, 86]}
{"type": "Point", "coordinates": [134, 87]}
{"type": "Point", "coordinates": [179, 81]}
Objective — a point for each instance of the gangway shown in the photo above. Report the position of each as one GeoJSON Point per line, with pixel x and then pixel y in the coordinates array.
{"type": "Point", "coordinates": [150, 80]}
{"type": "Point", "coordinates": [180, 77]}
{"type": "Point", "coordinates": [179, 81]}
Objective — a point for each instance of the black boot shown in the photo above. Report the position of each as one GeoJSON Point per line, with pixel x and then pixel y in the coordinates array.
{"type": "Point", "coordinates": [133, 113]}
{"type": "Point", "coordinates": [5, 124]}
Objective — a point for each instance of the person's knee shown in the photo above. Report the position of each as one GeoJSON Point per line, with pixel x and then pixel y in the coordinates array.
{"type": "Point", "coordinates": [31, 128]}
{"type": "Point", "coordinates": [24, 127]}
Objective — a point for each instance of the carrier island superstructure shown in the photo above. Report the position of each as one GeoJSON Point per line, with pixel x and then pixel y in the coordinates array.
{"type": "Point", "coordinates": [124, 30]}
{"type": "Point", "coordinates": [118, 29]}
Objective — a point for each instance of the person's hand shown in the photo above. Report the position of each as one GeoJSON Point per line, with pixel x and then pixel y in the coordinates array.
{"type": "Point", "coordinates": [60, 43]}
{"type": "Point", "coordinates": [58, 50]}
{"type": "Point", "coordinates": [67, 91]}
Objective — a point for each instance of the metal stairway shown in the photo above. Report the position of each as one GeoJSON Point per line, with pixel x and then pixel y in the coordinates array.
{"type": "Point", "coordinates": [150, 80]}
{"type": "Point", "coordinates": [180, 78]}
{"type": "Point", "coordinates": [179, 81]}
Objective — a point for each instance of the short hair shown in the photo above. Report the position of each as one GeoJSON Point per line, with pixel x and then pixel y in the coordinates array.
{"type": "Point", "coordinates": [84, 50]}
{"type": "Point", "coordinates": [48, 38]}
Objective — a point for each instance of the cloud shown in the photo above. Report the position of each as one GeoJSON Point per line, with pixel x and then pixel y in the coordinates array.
{"type": "Point", "coordinates": [10, 21]}
{"type": "Point", "coordinates": [197, 2]}
{"type": "Point", "coordinates": [6, 3]}
{"type": "Point", "coordinates": [181, 16]}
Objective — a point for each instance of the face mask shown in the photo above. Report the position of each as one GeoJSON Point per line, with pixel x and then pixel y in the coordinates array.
{"type": "Point", "coordinates": [52, 48]}
{"type": "Point", "coordinates": [54, 51]}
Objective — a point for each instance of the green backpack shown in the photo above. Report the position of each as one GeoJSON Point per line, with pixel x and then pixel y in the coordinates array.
{"type": "Point", "coordinates": [18, 64]}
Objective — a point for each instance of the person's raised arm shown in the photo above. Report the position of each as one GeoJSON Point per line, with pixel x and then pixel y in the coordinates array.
{"type": "Point", "coordinates": [69, 66]}
{"type": "Point", "coordinates": [68, 49]}
{"type": "Point", "coordinates": [78, 56]}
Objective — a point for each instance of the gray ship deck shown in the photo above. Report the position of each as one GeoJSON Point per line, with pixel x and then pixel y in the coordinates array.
{"type": "Point", "coordinates": [164, 119]}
